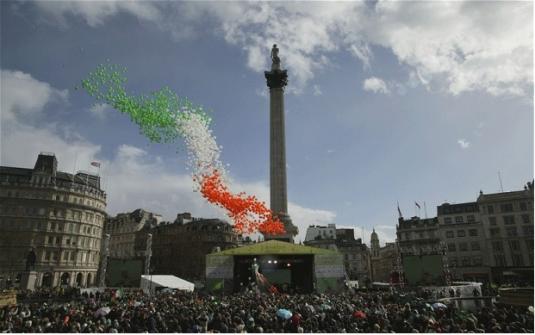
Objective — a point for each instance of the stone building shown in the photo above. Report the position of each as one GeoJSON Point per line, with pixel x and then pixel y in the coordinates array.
{"type": "Point", "coordinates": [507, 221]}
{"type": "Point", "coordinates": [461, 233]}
{"type": "Point", "coordinates": [123, 229]}
{"type": "Point", "coordinates": [383, 259]}
{"type": "Point", "coordinates": [356, 254]}
{"type": "Point", "coordinates": [418, 236]}
{"type": "Point", "coordinates": [179, 248]}
{"type": "Point", "coordinates": [59, 215]}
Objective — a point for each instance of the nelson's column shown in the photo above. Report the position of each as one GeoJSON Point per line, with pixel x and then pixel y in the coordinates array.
{"type": "Point", "coordinates": [276, 80]}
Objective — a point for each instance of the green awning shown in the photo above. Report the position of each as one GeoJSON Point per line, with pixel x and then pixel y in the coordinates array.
{"type": "Point", "coordinates": [274, 247]}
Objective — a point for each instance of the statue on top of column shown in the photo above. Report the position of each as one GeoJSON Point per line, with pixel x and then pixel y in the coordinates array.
{"type": "Point", "coordinates": [275, 58]}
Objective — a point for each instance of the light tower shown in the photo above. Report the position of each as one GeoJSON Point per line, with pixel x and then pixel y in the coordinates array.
{"type": "Point", "coordinates": [276, 81]}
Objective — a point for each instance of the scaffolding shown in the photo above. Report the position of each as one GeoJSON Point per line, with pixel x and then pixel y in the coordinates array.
{"type": "Point", "coordinates": [445, 265]}
{"type": "Point", "coordinates": [398, 267]}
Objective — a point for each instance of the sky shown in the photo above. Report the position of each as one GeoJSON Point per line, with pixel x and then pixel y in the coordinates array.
{"type": "Point", "coordinates": [387, 101]}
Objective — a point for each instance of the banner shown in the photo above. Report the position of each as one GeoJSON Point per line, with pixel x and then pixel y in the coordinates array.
{"type": "Point", "coordinates": [8, 298]}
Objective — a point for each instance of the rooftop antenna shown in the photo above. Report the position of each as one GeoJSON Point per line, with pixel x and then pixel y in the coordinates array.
{"type": "Point", "coordinates": [500, 179]}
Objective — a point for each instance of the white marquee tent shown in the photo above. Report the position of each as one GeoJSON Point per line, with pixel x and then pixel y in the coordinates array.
{"type": "Point", "coordinates": [151, 283]}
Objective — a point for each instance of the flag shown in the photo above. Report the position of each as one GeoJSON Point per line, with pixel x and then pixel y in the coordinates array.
{"type": "Point", "coordinates": [399, 211]}
{"type": "Point", "coordinates": [96, 164]}
{"type": "Point", "coordinates": [417, 205]}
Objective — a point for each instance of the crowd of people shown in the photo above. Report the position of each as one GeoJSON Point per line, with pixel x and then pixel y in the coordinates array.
{"type": "Point", "coordinates": [252, 312]}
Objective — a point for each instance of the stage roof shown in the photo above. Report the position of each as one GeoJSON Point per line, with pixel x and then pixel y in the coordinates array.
{"type": "Point", "coordinates": [274, 247]}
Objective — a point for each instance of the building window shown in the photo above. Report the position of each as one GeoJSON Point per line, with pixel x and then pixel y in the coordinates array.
{"type": "Point", "coordinates": [477, 261]}
{"type": "Point", "coordinates": [463, 246]}
{"type": "Point", "coordinates": [525, 218]}
{"type": "Point", "coordinates": [497, 246]}
{"type": "Point", "coordinates": [490, 209]}
{"type": "Point", "coordinates": [453, 262]}
{"type": "Point", "coordinates": [461, 233]}
{"type": "Point", "coordinates": [529, 246]}
{"type": "Point", "coordinates": [528, 230]}
{"type": "Point", "coordinates": [451, 247]}
{"type": "Point", "coordinates": [471, 218]}
{"type": "Point", "coordinates": [499, 260]}
{"type": "Point", "coordinates": [459, 219]}
{"type": "Point", "coordinates": [447, 220]}
{"type": "Point", "coordinates": [523, 206]}
{"type": "Point", "coordinates": [466, 261]}
{"type": "Point", "coordinates": [449, 234]}
{"type": "Point", "coordinates": [514, 245]}
{"type": "Point", "coordinates": [472, 232]}
{"type": "Point", "coordinates": [494, 232]}
{"type": "Point", "coordinates": [509, 219]}
{"type": "Point", "coordinates": [511, 232]}
{"type": "Point", "coordinates": [421, 235]}
{"type": "Point", "coordinates": [517, 260]}
{"type": "Point", "coordinates": [475, 246]}
{"type": "Point", "coordinates": [506, 208]}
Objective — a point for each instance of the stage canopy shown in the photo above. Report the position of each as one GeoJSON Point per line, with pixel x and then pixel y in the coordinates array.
{"type": "Point", "coordinates": [154, 283]}
{"type": "Point", "coordinates": [274, 247]}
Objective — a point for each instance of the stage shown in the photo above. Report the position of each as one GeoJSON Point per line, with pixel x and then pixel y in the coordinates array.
{"type": "Point", "coordinates": [291, 268]}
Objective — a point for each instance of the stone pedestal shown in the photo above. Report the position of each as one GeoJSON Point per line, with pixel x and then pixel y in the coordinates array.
{"type": "Point", "coordinates": [28, 280]}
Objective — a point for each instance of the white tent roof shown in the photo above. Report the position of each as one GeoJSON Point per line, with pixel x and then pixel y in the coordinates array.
{"type": "Point", "coordinates": [166, 281]}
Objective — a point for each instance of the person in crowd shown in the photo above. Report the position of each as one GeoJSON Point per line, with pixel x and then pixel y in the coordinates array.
{"type": "Point", "coordinates": [70, 311]}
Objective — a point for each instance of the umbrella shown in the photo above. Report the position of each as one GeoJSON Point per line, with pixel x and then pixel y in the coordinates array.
{"type": "Point", "coordinates": [284, 314]}
{"type": "Point", "coordinates": [102, 311]}
{"type": "Point", "coordinates": [359, 315]}
{"type": "Point", "coordinates": [325, 307]}
{"type": "Point", "coordinates": [439, 305]}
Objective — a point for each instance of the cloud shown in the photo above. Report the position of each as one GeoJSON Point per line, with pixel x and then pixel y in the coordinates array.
{"type": "Point", "coordinates": [375, 85]}
{"type": "Point", "coordinates": [94, 13]}
{"type": "Point", "coordinates": [99, 110]}
{"type": "Point", "coordinates": [463, 143]}
{"type": "Point", "coordinates": [454, 47]}
{"type": "Point", "coordinates": [132, 177]}
{"type": "Point", "coordinates": [316, 90]}
{"type": "Point", "coordinates": [362, 51]}
{"type": "Point", "coordinates": [23, 95]}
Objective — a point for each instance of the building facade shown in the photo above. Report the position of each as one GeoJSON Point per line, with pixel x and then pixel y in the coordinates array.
{"type": "Point", "coordinates": [418, 236]}
{"type": "Point", "coordinates": [123, 229]}
{"type": "Point", "coordinates": [356, 254]}
{"type": "Point", "coordinates": [58, 215]}
{"type": "Point", "coordinates": [461, 233]}
{"type": "Point", "coordinates": [490, 239]}
{"type": "Point", "coordinates": [180, 247]}
{"type": "Point", "coordinates": [383, 259]}
{"type": "Point", "coordinates": [507, 221]}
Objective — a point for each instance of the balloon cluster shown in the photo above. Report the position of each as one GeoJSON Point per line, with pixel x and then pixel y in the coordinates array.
{"type": "Point", "coordinates": [162, 117]}
{"type": "Point", "coordinates": [248, 213]}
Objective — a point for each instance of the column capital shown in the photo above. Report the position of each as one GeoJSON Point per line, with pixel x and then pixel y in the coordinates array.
{"type": "Point", "coordinates": [276, 78]}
